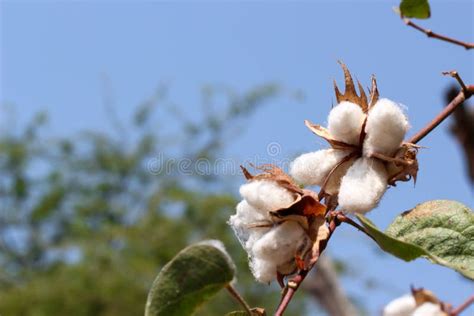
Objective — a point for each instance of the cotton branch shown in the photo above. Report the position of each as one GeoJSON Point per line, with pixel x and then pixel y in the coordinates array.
{"type": "Point", "coordinates": [463, 306]}
{"type": "Point", "coordinates": [465, 93]}
{"type": "Point", "coordinates": [432, 34]}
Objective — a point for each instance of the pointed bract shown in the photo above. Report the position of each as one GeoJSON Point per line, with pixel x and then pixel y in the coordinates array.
{"type": "Point", "coordinates": [350, 93]}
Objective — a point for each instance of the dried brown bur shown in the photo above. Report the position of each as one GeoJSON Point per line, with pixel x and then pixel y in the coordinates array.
{"type": "Point", "coordinates": [422, 296]}
{"type": "Point", "coordinates": [350, 93]}
{"type": "Point", "coordinates": [404, 166]}
{"type": "Point", "coordinates": [305, 209]}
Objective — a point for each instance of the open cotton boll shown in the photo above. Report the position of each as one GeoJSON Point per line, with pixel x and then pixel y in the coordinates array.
{"type": "Point", "coordinates": [345, 122]}
{"type": "Point", "coordinates": [402, 306]}
{"type": "Point", "coordinates": [280, 243]}
{"type": "Point", "coordinates": [312, 168]}
{"type": "Point", "coordinates": [386, 127]}
{"type": "Point", "coordinates": [264, 271]}
{"type": "Point", "coordinates": [363, 186]}
{"type": "Point", "coordinates": [429, 309]}
{"type": "Point", "coordinates": [266, 195]}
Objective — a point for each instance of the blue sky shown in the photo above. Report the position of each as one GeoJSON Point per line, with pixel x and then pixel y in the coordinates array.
{"type": "Point", "coordinates": [57, 56]}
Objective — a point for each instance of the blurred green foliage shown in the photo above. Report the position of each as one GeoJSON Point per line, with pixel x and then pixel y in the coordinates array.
{"type": "Point", "coordinates": [85, 223]}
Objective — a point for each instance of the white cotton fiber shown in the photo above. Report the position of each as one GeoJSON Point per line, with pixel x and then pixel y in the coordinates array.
{"type": "Point", "coordinates": [363, 186]}
{"type": "Point", "coordinates": [247, 215]}
{"type": "Point", "coordinates": [428, 309]}
{"type": "Point", "coordinates": [402, 306]}
{"type": "Point", "coordinates": [386, 127]}
{"type": "Point", "coordinates": [279, 245]}
{"type": "Point", "coordinates": [345, 122]}
{"type": "Point", "coordinates": [264, 271]}
{"type": "Point", "coordinates": [312, 168]}
{"type": "Point", "coordinates": [266, 195]}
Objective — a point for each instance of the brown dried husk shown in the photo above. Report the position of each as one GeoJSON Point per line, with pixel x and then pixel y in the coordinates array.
{"type": "Point", "coordinates": [350, 93]}
{"type": "Point", "coordinates": [422, 296]}
{"type": "Point", "coordinates": [404, 166]}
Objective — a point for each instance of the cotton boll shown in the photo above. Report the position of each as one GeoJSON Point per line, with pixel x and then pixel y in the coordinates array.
{"type": "Point", "coordinates": [345, 122]}
{"type": "Point", "coordinates": [312, 168]}
{"type": "Point", "coordinates": [386, 127]}
{"type": "Point", "coordinates": [402, 306]}
{"type": "Point", "coordinates": [266, 195]}
{"type": "Point", "coordinates": [264, 271]}
{"type": "Point", "coordinates": [280, 244]}
{"type": "Point", "coordinates": [363, 186]}
{"type": "Point", "coordinates": [429, 309]}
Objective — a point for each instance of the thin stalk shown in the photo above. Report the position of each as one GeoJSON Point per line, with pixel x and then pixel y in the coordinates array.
{"type": "Point", "coordinates": [235, 294]}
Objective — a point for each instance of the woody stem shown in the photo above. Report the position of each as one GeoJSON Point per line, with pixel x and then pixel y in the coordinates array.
{"type": "Point", "coordinates": [432, 34]}
{"type": "Point", "coordinates": [463, 306]}
{"type": "Point", "coordinates": [463, 95]}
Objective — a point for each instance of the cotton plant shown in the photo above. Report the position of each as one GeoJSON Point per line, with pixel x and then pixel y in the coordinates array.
{"type": "Point", "coordinates": [367, 154]}
{"type": "Point", "coordinates": [284, 224]}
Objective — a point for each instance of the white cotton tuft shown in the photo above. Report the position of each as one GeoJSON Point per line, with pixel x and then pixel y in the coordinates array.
{"type": "Point", "coordinates": [279, 245]}
{"type": "Point", "coordinates": [247, 215]}
{"type": "Point", "coordinates": [386, 127]}
{"type": "Point", "coordinates": [266, 195]}
{"type": "Point", "coordinates": [264, 271]}
{"type": "Point", "coordinates": [345, 122]}
{"type": "Point", "coordinates": [312, 168]}
{"type": "Point", "coordinates": [429, 309]}
{"type": "Point", "coordinates": [402, 306]}
{"type": "Point", "coordinates": [363, 186]}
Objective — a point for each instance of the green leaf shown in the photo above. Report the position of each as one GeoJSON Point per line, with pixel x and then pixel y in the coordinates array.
{"type": "Point", "coordinates": [419, 9]}
{"type": "Point", "coordinates": [441, 231]}
{"type": "Point", "coordinates": [194, 275]}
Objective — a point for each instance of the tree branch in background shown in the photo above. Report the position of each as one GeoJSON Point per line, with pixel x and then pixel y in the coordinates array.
{"type": "Point", "coordinates": [431, 34]}
{"type": "Point", "coordinates": [463, 129]}
{"type": "Point", "coordinates": [325, 288]}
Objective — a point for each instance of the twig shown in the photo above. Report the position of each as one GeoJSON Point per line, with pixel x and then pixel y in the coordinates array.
{"type": "Point", "coordinates": [455, 75]}
{"type": "Point", "coordinates": [458, 100]}
{"type": "Point", "coordinates": [463, 306]}
{"type": "Point", "coordinates": [295, 282]}
{"type": "Point", "coordinates": [233, 292]}
{"type": "Point", "coordinates": [432, 34]}
{"type": "Point", "coordinates": [344, 219]}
